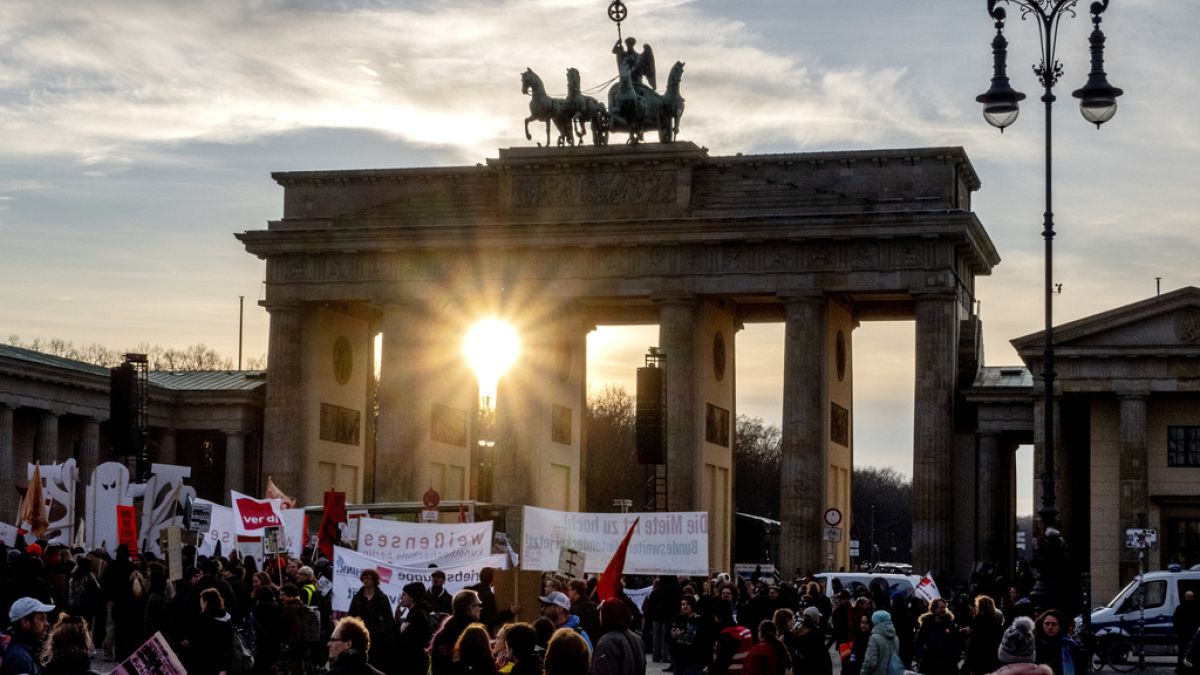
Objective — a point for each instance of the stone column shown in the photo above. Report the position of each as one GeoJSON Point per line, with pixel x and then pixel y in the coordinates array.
{"type": "Point", "coordinates": [804, 464]}
{"type": "Point", "coordinates": [991, 483]}
{"type": "Point", "coordinates": [1061, 479]}
{"type": "Point", "coordinates": [166, 446]}
{"type": "Point", "coordinates": [235, 461]}
{"type": "Point", "coordinates": [933, 430]}
{"type": "Point", "coordinates": [283, 414]}
{"type": "Point", "coordinates": [1134, 501]}
{"type": "Point", "coordinates": [46, 448]}
{"type": "Point", "coordinates": [89, 449]}
{"type": "Point", "coordinates": [9, 503]}
{"type": "Point", "coordinates": [397, 441]}
{"type": "Point", "coordinates": [676, 337]}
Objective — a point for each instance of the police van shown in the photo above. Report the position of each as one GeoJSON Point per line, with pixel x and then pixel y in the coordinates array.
{"type": "Point", "coordinates": [1160, 593]}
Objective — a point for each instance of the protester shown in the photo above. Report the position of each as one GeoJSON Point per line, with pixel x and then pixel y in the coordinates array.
{"type": "Point", "coordinates": [349, 647]}
{"type": "Point", "coordinates": [983, 637]}
{"type": "Point", "coordinates": [882, 647]}
{"type": "Point", "coordinates": [811, 654]}
{"type": "Point", "coordinates": [567, 654]}
{"type": "Point", "coordinates": [438, 598]}
{"type": "Point", "coordinates": [487, 613]}
{"type": "Point", "coordinates": [68, 651]}
{"type": "Point", "coordinates": [28, 632]}
{"type": "Point", "coordinates": [416, 630]}
{"type": "Point", "coordinates": [1057, 649]}
{"type": "Point", "coordinates": [691, 639]}
{"type": "Point", "coordinates": [521, 640]}
{"type": "Point", "coordinates": [860, 636]}
{"type": "Point", "coordinates": [1186, 621]}
{"type": "Point", "coordinates": [293, 647]}
{"type": "Point", "coordinates": [375, 610]}
{"type": "Point", "coordinates": [769, 656]}
{"type": "Point", "coordinates": [266, 620]}
{"type": "Point", "coordinates": [209, 643]}
{"type": "Point", "coordinates": [473, 652]}
{"type": "Point", "coordinates": [306, 581]}
{"type": "Point", "coordinates": [618, 650]}
{"type": "Point", "coordinates": [85, 598]}
{"type": "Point", "coordinates": [936, 646]}
{"type": "Point", "coordinates": [557, 608]}
{"type": "Point", "coordinates": [1017, 650]}
{"type": "Point", "coordinates": [732, 646]}
{"type": "Point", "coordinates": [585, 608]}
{"type": "Point", "coordinates": [466, 608]}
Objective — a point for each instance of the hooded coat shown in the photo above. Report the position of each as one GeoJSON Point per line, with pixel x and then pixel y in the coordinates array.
{"type": "Point", "coordinates": [881, 646]}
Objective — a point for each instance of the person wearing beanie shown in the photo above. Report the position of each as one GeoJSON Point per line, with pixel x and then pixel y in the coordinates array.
{"type": "Point", "coordinates": [810, 651]}
{"type": "Point", "coordinates": [882, 647]}
{"type": "Point", "coordinates": [1018, 649]}
{"type": "Point", "coordinates": [416, 629]}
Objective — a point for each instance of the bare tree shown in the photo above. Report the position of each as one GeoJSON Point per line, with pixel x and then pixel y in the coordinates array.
{"type": "Point", "coordinates": [195, 357]}
{"type": "Point", "coordinates": [756, 462]}
{"type": "Point", "coordinates": [612, 470]}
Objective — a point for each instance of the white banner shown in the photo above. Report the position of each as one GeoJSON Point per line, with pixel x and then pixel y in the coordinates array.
{"type": "Point", "coordinates": [294, 523]}
{"type": "Point", "coordinates": [349, 564]}
{"type": "Point", "coordinates": [421, 544]}
{"type": "Point", "coordinates": [251, 516]}
{"type": "Point", "coordinates": [672, 542]}
{"type": "Point", "coordinates": [220, 528]}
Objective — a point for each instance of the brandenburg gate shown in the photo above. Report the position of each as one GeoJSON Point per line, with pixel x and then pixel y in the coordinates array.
{"type": "Point", "coordinates": [560, 240]}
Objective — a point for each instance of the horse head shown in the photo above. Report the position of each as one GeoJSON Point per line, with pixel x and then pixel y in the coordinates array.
{"type": "Point", "coordinates": [572, 80]}
{"type": "Point", "coordinates": [676, 74]}
{"type": "Point", "coordinates": [529, 80]}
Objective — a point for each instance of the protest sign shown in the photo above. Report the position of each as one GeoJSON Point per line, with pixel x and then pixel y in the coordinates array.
{"type": "Point", "coordinates": [8, 534]}
{"type": "Point", "coordinates": [251, 516]}
{"type": "Point", "coordinates": [250, 547]}
{"type": "Point", "coordinates": [201, 516]}
{"type": "Point", "coordinates": [295, 529]}
{"type": "Point", "coordinates": [155, 657]}
{"type": "Point", "coordinates": [220, 528]}
{"type": "Point", "coordinates": [127, 533]}
{"type": "Point", "coordinates": [662, 543]}
{"type": "Point", "coordinates": [270, 541]}
{"type": "Point", "coordinates": [399, 543]}
{"type": "Point", "coordinates": [349, 564]}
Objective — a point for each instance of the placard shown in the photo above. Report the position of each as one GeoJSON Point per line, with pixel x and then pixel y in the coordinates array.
{"type": "Point", "coordinates": [127, 533]}
{"type": "Point", "coordinates": [398, 543]}
{"type": "Point", "coordinates": [672, 542]}
{"type": "Point", "coordinates": [348, 566]}
{"type": "Point", "coordinates": [201, 516]}
{"type": "Point", "coordinates": [155, 657]}
{"type": "Point", "coordinates": [251, 516]}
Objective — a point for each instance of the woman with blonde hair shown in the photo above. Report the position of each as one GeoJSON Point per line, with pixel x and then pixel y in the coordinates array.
{"type": "Point", "coordinates": [68, 650]}
{"type": "Point", "coordinates": [473, 652]}
{"type": "Point", "coordinates": [567, 654]}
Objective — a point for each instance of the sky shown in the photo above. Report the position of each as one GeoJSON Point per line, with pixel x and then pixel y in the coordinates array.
{"type": "Point", "coordinates": [137, 136]}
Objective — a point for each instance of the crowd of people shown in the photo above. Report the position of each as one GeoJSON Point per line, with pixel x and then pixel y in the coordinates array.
{"type": "Point", "coordinates": [227, 615]}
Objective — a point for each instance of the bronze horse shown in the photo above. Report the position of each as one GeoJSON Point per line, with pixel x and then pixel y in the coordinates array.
{"type": "Point", "coordinates": [545, 108]}
{"type": "Point", "coordinates": [585, 109]}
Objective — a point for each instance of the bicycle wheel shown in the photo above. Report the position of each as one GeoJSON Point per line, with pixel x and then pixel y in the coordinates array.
{"type": "Point", "coordinates": [1122, 655]}
{"type": "Point", "coordinates": [1097, 656]}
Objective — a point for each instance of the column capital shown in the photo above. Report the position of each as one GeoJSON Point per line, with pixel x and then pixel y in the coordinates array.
{"type": "Point", "coordinates": [1132, 395]}
{"type": "Point", "coordinates": [277, 306]}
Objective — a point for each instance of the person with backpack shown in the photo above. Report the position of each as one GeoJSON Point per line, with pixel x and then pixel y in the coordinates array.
{"type": "Point", "coordinates": [883, 647]}
{"type": "Point", "coordinates": [293, 648]}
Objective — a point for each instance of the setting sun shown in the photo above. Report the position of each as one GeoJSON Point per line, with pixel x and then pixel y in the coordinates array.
{"type": "Point", "coordinates": [491, 347]}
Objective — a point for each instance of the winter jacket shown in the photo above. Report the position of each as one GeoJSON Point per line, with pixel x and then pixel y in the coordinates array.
{"type": "Point", "coordinates": [351, 662]}
{"type": "Point", "coordinates": [619, 653]}
{"type": "Point", "coordinates": [21, 655]}
{"type": "Point", "coordinates": [881, 646]}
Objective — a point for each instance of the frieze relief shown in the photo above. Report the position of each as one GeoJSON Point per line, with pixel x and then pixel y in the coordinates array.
{"type": "Point", "coordinates": [1187, 326]}
{"type": "Point", "coordinates": [594, 189]}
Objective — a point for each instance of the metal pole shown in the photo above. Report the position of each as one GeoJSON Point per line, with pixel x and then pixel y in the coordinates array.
{"type": "Point", "coordinates": [1049, 510]}
{"type": "Point", "coordinates": [1141, 608]}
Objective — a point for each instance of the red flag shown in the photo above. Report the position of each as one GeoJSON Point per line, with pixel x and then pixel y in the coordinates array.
{"type": "Point", "coordinates": [610, 582]}
{"type": "Point", "coordinates": [333, 514]}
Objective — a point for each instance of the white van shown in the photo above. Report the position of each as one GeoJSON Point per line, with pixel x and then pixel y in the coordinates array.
{"type": "Point", "coordinates": [851, 581]}
{"type": "Point", "coordinates": [1163, 593]}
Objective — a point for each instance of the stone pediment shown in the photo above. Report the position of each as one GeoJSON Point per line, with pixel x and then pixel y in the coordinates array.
{"type": "Point", "coordinates": [1165, 324]}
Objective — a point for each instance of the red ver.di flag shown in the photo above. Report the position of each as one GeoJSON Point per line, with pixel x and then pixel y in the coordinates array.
{"type": "Point", "coordinates": [251, 516]}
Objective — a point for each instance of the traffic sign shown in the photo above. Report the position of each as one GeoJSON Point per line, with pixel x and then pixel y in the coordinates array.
{"type": "Point", "coordinates": [854, 548]}
{"type": "Point", "coordinates": [832, 534]}
{"type": "Point", "coordinates": [833, 517]}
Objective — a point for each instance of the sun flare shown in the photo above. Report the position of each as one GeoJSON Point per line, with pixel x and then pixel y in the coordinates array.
{"type": "Point", "coordinates": [491, 348]}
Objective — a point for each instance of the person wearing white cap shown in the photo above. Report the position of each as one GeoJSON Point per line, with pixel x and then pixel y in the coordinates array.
{"type": "Point", "coordinates": [557, 607]}
{"type": "Point", "coordinates": [29, 627]}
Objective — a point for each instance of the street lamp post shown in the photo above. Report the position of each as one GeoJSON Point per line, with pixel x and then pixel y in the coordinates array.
{"type": "Point", "coordinates": [1001, 105]}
